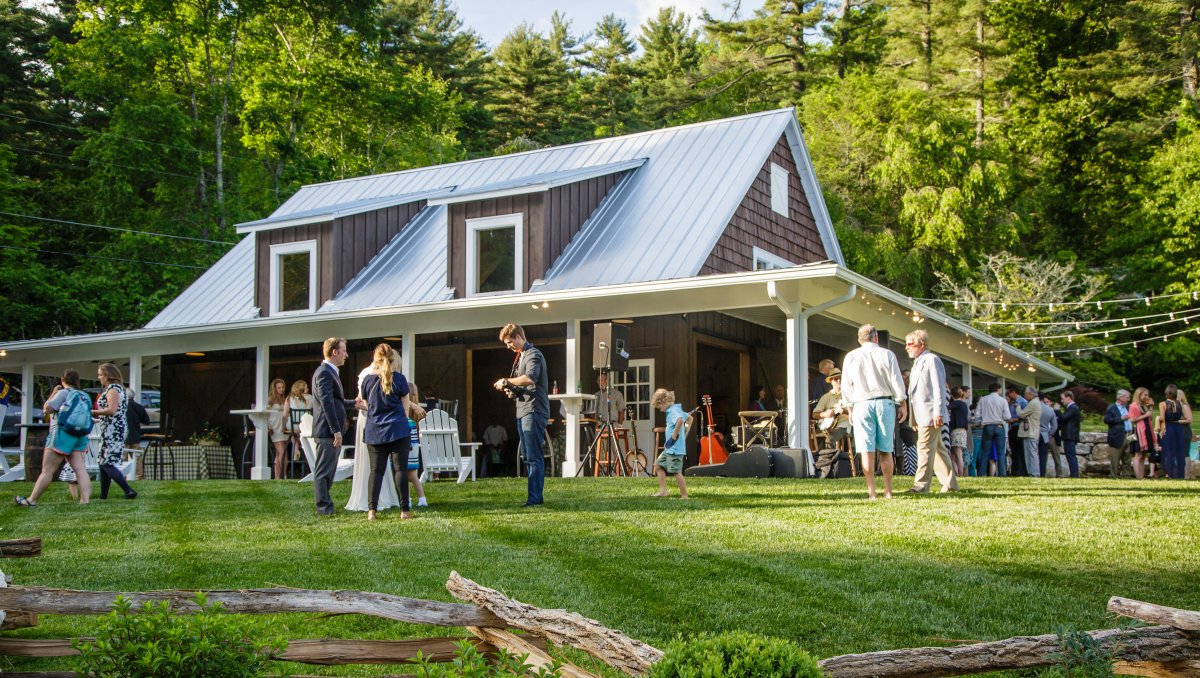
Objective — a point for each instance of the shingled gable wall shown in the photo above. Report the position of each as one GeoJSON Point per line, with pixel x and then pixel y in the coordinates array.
{"type": "Point", "coordinates": [344, 247]}
{"type": "Point", "coordinates": [755, 224]}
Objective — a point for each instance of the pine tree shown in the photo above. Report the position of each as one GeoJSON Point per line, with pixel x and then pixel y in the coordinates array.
{"type": "Point", "coordinates": [608, 85]}
{"type": "Point", "coordinates": [669, 65]}
{"type": "Point", "coordinates": [527, 87]}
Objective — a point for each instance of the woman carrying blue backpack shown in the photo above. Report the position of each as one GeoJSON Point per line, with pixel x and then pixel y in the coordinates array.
{"type": "Point", "coordinates": [69, 438]}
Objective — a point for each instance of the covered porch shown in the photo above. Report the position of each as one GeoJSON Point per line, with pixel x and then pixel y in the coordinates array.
{"type": "Point", "coordinates": [756, 327]}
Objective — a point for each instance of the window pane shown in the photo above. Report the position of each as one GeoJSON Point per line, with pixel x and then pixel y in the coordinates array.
{"type": "Point", "coordinates": [293, 281]}
{"type": "Point", "coordinates": [495, 250]}
{"type": "Point", "coordinates": [643, 373]}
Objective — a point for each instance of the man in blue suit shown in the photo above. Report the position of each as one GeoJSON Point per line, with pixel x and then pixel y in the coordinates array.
{"type": "Point", "coordinates": [329, 420]}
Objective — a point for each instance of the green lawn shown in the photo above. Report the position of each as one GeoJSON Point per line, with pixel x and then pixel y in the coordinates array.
{"type": "Point", "coordinates": [809, 560]}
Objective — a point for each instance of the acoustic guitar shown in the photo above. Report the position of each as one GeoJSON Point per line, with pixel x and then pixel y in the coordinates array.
{"type": "Point", "coordinates": [712, 446]}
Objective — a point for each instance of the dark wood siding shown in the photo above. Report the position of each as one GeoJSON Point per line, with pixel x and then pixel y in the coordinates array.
{"type": "Point", "coordinates": [755, 224]}
{"type": "Point", "coordinates": [567, 208]}
{"type": "Point", "coordinates": [344, 247]}
{"type": "Point", "coordinates": [530, 206]}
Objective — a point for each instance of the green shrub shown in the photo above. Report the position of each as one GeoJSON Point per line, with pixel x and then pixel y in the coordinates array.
{"type": "Point", "coordinates": [469, 663]}
{"type": "Point", "coordinates": [156, 642]}
{"type": "Point", "coordinates": [735, 654]}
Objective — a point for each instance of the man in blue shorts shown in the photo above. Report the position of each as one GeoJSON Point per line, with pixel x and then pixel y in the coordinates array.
{"type": "Point", "coordinates": [874, 389]}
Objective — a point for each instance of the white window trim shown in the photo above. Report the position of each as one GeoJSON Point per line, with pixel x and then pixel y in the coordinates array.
{"type": "Point", "coordinates": [513, 221]}
{"type": "Point", "coordinates": [771, 260]}
{"type": "Point", "coordinates": [303, 246]}
{"type": "Point", "coordinates": [779, 190]}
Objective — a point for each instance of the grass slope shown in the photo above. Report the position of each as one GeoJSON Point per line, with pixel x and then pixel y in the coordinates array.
{"type": "Point", "coordinates": [807, 560]}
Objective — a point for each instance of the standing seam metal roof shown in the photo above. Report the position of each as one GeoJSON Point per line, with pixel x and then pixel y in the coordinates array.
{"type": "Point", "coordinates": [660, 222]}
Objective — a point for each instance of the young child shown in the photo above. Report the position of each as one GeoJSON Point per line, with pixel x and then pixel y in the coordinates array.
{"type": "Point", "coordinates": [412, 472]}
{"type": "Point", "coordinates": [674, 446]}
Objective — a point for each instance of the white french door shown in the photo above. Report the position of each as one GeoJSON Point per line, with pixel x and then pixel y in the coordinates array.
{"type": "Point", "coordinates": [637, 385]}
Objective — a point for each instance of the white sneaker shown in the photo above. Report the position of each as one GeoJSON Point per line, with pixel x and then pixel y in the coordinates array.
{"type": "Point", "coordinates": [421, 502]}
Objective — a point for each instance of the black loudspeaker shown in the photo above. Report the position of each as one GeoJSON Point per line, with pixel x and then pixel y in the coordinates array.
{"type": "Point", "coordinates": [753, 463]}
{"type": "Point", "coordinates": [884, 337]}
{"type": "Point", "coordinates": [610, 347]}
{"type": "Point", "coordinates": [790, 463]}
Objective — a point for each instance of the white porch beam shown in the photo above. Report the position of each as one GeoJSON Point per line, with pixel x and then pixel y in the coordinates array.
{"type": "Point", "coordinates": [571, 454]}
{"type": "Point", "coordinates": [262, 359]}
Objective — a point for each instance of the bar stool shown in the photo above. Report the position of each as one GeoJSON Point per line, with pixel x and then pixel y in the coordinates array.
{"type": "Point", "coordinates": [297, 463]}
{"type": "Point", "coordinates": [159, 452]}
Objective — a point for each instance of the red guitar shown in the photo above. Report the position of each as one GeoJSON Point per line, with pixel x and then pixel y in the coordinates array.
{"type": "Point", "coordinates": [712, 446]}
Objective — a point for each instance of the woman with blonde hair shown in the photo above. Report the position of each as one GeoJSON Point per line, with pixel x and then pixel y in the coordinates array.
{"type": "Point", "coordinates": [63, 446]}
{"type": "Point", "coordinates": [385, 393]}
{"type": "Point", "coordinates": [1141, 409]}
{"type": "Point", "coordinates": [277, 410]}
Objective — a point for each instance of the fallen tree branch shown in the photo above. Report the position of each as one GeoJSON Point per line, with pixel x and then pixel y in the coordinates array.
{"type": "Point", "coordinates": [254, 601]}
{"type": "Point", "coordinates": [327, 651]}
{"type": "Point", "coordinates": [18, 619]}
{"type": "Point", "coordinates": [1180, 669]}
{"type": "Point", "coordinates": [564, 628]}
{"type": "Point", "coordinates": [1185, 620]}
{"type": "Point", "coordinates": [1150, 644]}
{"type": "Point", "coordinates": [534, 656]}
{"type": "Point", "coordinates": [21, 548]}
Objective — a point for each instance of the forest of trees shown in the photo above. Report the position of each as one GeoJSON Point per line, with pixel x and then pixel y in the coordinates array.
{"type": "Point", "coordinates": [997, 152]}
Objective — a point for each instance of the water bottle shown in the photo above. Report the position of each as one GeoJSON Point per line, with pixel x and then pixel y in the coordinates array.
{"type": "Point", "coordinates": [555, 390]}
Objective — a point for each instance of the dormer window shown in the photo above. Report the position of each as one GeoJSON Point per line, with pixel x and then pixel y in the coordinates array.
{"type": "Point", "coordinates": [779, 190]}
{"type": "Point", "coordinates": [294, 277]}
{"type": "Point", "coordinates": [765, 261]}
{"type": "Point", "coordinates": [495, 254]}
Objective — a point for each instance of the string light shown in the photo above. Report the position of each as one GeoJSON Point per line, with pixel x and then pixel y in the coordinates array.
{"type": "Point", "coordinates": [1105, 348]}
{"type": "Point", "coordinates": [1125, 326]}
{"type": "Point", "coordinates": [1146, 299]}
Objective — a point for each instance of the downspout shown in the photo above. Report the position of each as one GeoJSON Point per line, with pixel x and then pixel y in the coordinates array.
{"type": "Point", "coordinates": [797, 350]}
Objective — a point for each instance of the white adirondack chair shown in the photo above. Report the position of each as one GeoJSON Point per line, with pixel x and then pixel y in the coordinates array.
{"type": "Point", "coordinates": [14, 472]}
{"type": "Point", "coordinates": [345, 466]}
{"type": "Point", "coordinates": [440, 449]}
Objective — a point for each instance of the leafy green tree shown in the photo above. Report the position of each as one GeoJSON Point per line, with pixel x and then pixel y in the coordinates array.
{"type": "Point", "coordinates": [856, 36]}
{"type": "Point", "coordinates": [920, 33]}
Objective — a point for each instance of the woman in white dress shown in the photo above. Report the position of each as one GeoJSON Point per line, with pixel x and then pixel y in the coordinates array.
{"type": "Point", "coordinates": [276, 405]}
{"type": "Point", "coordinates": [360, 484]}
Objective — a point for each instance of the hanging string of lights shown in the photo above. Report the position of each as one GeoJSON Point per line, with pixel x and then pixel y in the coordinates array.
{"type": "Point", "coordinates": [1147, 300]}
{"type": "Point", "coordinates": [1125, 327]}
{"type": "Point", "coordinates": [1082, 323]}
{"type": "Point", "coordinates": [1135, 343]}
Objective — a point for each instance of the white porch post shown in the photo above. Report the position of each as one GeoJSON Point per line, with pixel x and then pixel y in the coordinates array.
{"type": "Point", "coordinates": [797, 374]}
{"type": "Point", "coordinates": [571, 454]}
{"type": "Point", "coordinates": [408, 355]}
{"type": "Point", "coordinates": [967, 383]}
{"type": "Point", "coordinates": [135, 375]}
{"type": "Point", "coordinates": [262, 358]}
{"type": "Point", "coordinates": [27, 388]}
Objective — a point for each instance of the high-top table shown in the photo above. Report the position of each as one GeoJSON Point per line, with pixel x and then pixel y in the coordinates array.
{"type": "Point", "coordinates": [261, 420]}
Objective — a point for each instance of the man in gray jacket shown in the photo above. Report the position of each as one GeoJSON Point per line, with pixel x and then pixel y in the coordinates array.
{"type": "Point", "coordinates": [928, 410]}
{"type": "Point", "coordinates": [1029, 431]}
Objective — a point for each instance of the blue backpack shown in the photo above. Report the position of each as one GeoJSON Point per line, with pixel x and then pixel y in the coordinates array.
{"type": "Point", "coordinates": [75, 415]}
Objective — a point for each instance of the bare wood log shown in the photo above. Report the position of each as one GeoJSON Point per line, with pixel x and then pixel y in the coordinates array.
{"type": "Point", "coordinates": [18, 620]}
{"type": "Point", "coordinates": [1180, 669]}
{"type": "Point", "coordinates": [565, 628]}
{"type": "Point", "coordinates": [255, 601]}
{"type": "Point", "coordinates": [21, 548]}
{"type": "Point", "coordinates": [1148, 644]}
{"type": "Point", "coordinates": [1155, 614]}
{"type": "Point", "coordinates": [534, 657]}
{"type": "Point", "coordinates": [326, 651]}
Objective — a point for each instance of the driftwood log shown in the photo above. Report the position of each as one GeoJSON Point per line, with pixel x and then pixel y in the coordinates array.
{"type": "Point", "coordinates": [1181, 669]}
{"type": "Point", "coordinates": [534, 656]}
{"type": "Point", "coordinates": [564, 628]}
{"type": "Point", "coordinates": [1158, 644]}
{"type": "Point", "coordinates": [1184, 620]}
{"type": "Point", "coordinates": [21, 548]}
{"type": "Point", "coordinates": [255, 601]}
{"type": "Point", "coordinates": [18, 620]}
{"type": "Point", "coordinates": [324, 651]}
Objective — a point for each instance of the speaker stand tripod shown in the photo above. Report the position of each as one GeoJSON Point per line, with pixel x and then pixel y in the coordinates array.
{"type": "Point", "coordinates": [612, 463]}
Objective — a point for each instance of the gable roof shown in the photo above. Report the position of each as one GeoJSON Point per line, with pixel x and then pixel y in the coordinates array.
{"type": "Point", "coordinates": [682, 187]}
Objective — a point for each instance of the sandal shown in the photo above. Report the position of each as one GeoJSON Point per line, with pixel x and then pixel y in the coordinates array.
{"type": "Point", "coordinates": [22, 501]}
